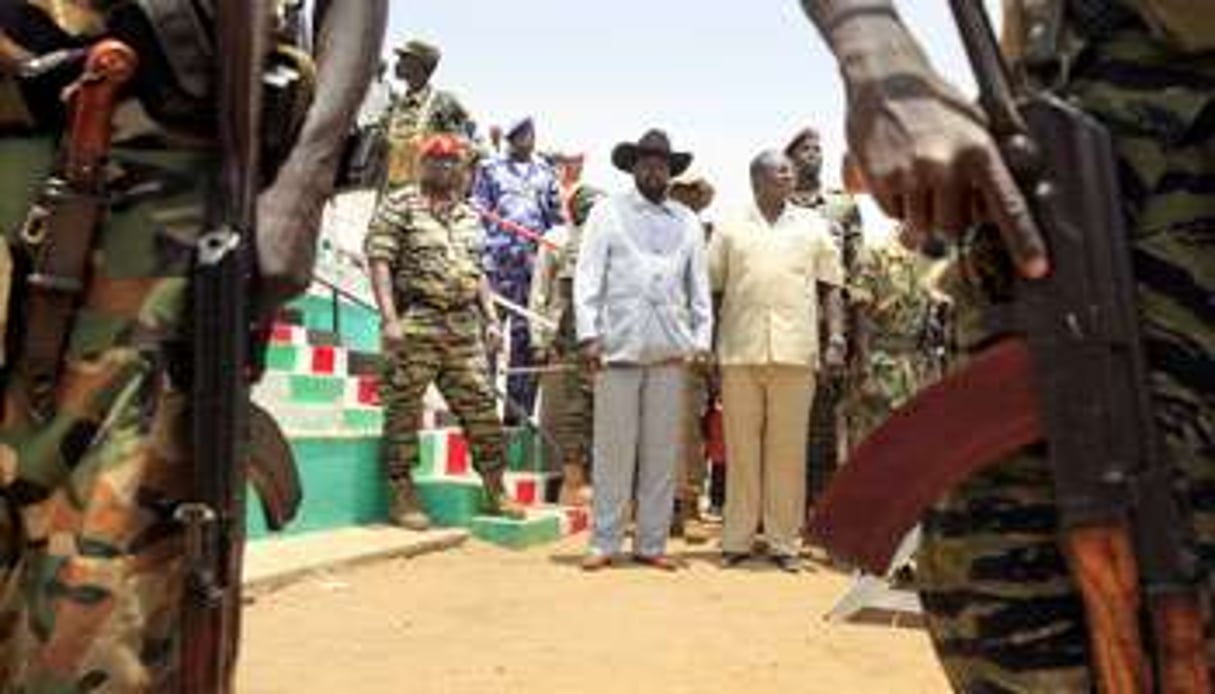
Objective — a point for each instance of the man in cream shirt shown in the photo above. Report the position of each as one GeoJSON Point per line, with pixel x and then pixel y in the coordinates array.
{"type": "Point", "coordinates": [765, 265]}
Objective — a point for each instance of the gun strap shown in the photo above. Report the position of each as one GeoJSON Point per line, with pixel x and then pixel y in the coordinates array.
{"type": "Point", "coordinates": [60, 238]}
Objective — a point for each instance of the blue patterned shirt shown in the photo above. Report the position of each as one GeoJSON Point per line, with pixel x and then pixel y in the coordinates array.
{"type": "Point", "coordinates": [525, 193]}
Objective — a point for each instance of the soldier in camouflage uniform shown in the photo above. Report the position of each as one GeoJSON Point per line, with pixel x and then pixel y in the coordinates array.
{"type": "Point", "coordinates": [1002, 607]}
{"type": "Point", "coordinates": [894, 306]}
{"type": "Point", "coordinates": [423, 247]}
{"type": "Point", "coordinates": [91, 565]}
{"type": "Point", "coordinates": [697, 193]}
{"type": "Point", "coordinates": [420, 112]}
{"type": "Point", "coordinates": [822, 441]}
{"type": "Point", "coordinates": [567, 394]}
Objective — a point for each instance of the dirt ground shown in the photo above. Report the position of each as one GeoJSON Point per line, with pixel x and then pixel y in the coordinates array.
{"type": "Point", "coordinates": [483, 620]}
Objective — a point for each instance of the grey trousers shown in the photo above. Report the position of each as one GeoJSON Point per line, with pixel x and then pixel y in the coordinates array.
{"type": "Point", "coordinates": [638, 413]}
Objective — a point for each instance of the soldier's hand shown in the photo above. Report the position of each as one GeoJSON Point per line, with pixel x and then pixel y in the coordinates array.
{"type": "Point", "coordinates": [392, 334]}
{"type": "Point", "coordinates": [835, 356]}
{"type": "Point", "coordinates": [924, 150]}
{"type": "Point", "coordinates": [592, 354]}
{"type": "Point", "coordinates": [493, 337]}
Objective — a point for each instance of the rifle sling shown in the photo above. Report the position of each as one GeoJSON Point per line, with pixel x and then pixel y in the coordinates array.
{"type": "Point", "coordinates": [55, 286]}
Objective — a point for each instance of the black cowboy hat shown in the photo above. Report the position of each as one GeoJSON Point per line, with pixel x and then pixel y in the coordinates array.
{"type": "Point", "coordinates": [654, 142]}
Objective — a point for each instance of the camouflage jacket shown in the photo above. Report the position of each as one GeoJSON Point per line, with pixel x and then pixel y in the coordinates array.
{"type": "Point", "coordinates": [895, 304]}
{"type": "Point", "coordinates": [435, 260]}
{"type": "Point", "coordinates": [410, 119]}
{"type": "Point", "coordinates": [552, 286]}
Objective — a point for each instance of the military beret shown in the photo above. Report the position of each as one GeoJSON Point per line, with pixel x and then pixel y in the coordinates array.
{"type": "Point", "coordinates": [442, 145]}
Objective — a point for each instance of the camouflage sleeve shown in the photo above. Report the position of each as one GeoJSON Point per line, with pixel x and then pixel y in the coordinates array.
{"type": "Point", "coordinates": [383, 240]}
{"type": "Point", "coordinates": [540, 299]}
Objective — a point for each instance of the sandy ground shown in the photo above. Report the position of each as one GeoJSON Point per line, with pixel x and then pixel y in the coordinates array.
{"type": "Point", "coordinates": [483, 620]}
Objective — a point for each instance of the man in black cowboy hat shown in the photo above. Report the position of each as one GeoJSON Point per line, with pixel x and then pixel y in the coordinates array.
{"type": "Point", "coordinates": [420, 112]}
{"type": "Point", "coordinates": [643, 310]}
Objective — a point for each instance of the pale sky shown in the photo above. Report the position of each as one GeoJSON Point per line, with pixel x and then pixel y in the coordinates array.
{"type": "Point", "coordinates": [725, 79]}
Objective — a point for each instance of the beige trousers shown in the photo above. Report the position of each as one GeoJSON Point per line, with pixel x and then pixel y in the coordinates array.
{"type": "Point", "coordinates": [766, 410]}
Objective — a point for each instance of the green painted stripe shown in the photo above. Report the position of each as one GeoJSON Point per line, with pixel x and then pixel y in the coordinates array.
{"type": "Point", "coordinates": [450, 503]}
{"type": "Point", "coordinates": [516, 534]}
{"type": "Point", "coordinates": [363, 418]}
{"type": "Point", "coordinates": [282, 357]}
{"type": "Point", "coordinates": [317, 389]}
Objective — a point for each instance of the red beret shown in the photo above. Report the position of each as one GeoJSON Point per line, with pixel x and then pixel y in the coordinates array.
{"type": "Point", "coordinates": [442, 145]}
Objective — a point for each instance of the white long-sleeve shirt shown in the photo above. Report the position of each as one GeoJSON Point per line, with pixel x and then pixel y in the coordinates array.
{"type": "Point", "coordinates": [642, 283]}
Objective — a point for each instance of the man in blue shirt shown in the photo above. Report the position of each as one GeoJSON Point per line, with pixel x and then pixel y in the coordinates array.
{"type": "Point", "coordinates": [516, 190]}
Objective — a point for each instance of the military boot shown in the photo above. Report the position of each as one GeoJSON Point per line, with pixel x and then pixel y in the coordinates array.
{"type": "Point", "coordinates": [497, 501]}
{"type": "Point", "coordinates": [405, 510]}
{"type": "Point", "coordinates": [695, 532]}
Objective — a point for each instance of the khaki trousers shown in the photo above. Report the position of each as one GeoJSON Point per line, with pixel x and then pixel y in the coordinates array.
{"type": "Point", "coordinates": [766, 411]}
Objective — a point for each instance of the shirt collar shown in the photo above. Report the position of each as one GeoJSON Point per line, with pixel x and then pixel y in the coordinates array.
{"type": "Point", "coordinates": [640, 202]}
{"type": "Point", "coordinates": [757, 216]}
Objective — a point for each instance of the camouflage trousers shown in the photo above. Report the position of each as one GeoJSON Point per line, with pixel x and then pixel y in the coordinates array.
{"type": "Point", "coordinates": [822, 440]}
{"type": "Point", "coordinates": [568, 402]}
{"type": "Point", "coordinates": [1003, 611]}
{"type": "Point", "coordinates": [90, 555]}
{"type": "Point", "coordinates": [693, 464]}
{"type": "Point", "coordinates": [444, 348]}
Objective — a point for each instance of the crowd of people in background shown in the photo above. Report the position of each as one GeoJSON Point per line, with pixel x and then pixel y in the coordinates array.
{"type": "Point", "coordinates": [685, 369]}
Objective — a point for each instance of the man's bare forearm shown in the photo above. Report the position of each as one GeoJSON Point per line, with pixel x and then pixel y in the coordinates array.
{"type": "Point", "coordinates": [381, 288]}
{"type": "Point", "coordinates": [347, 54]}
{"type": "Point", "coordinates": [867, 37]}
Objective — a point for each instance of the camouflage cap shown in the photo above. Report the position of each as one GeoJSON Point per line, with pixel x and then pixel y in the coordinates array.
{"type": "Point", "coordinates": [427, 53]}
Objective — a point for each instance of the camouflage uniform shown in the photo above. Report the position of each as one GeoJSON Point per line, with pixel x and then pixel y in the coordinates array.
{"type": "Point", "coordinates": [893, 307]}
{"type": "Point", "coordinates": [436, 274]}
{"type": "Point", "coordinates": [568, 394]}
{"type": "Point", "coordinates": [90, 555]}
{"type": "Point", "coordinates": [1001, 606]}
{"type": "Point", "coordinates": [411, 119]}
{"type": "Point", "coordinates": [822, 440]}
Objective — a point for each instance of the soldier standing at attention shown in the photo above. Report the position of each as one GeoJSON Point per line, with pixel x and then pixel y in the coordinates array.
{"type": "Point", "coordinates": [1001, 599]}
{"type": "Point", "coordinates": [420, 112]}
{"type": "Point", "coordinates": [823, 441]}
{"type": "Point", "coordinates": [568, 394]}
{"type": "Point", "coordinates": [423, 249]}
{"type": "Point", "coordinates": [92, 567]}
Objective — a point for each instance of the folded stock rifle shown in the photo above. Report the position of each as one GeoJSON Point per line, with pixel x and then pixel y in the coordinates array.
{"type": "Point", "coordinates": [1066, 368]}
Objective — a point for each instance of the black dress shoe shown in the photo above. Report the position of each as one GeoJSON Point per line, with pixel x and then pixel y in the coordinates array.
{"type": "Point", "coordinates": [788, 563]}
{"type": "Point", "coordinates": [730, 560]}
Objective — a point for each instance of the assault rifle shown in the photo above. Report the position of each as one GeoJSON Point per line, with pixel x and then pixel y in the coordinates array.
{"type": "Point", "coordinates": [1068, 369]}
{"type": "Point", "coordinates": [233, 442]}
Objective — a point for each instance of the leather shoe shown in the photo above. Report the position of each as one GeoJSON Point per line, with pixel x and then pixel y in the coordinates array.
{"type": "Point", "coordinates": [787, 563]}
{"type": "Point", "coordinates": [729, 560]}
{"type": "Point", "coordinates": [595, 562]}
{"type": "Point", "coordinates": [661, 561]}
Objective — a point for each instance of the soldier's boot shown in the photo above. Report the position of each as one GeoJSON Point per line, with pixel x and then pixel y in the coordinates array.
{"type": "Point", "coordinates": [498, 501]}
{"type": "Point", "coordinates": [695, 532]}
{"type": "Point", "coordinates": [573, 486]}
{"type": "Point", "coordinates": [405, 510]}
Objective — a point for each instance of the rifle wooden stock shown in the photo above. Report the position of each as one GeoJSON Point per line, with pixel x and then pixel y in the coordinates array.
{"type": "Point", "coordinates": [1102, 563]}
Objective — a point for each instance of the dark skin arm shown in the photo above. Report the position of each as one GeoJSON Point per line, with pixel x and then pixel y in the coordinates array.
{"type": "Point", "coordinates": [390, 317]}
{"type": "Point", "coordinates": [289, 211]}
{"type": "Point", "coordinates": [923, 148]}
